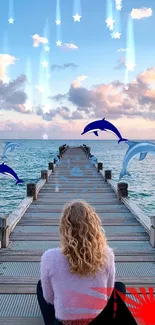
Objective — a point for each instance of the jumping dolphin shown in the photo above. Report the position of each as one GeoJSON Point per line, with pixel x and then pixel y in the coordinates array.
{"type": "Point", "coordinates": [9, 146]}
{"type": "Point", "coordinates": [102, 125]}
{"type": "Point", "coordinates": [135, 148]}
{"type": "Point", "coordinates": [6, 170]}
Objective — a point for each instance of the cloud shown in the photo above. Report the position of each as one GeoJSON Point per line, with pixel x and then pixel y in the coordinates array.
{"type": "Point", "coordinates": [123, 50]}
{"type": "Point", "coordinates": [37, 40]}
{"type": "Point", "coordinates": [141, 13]}
{"type": "Point", "coordinates": [120, 64]}
{"type": "Point", "coordinates": [63, 67]}
{"type": "Point", "coordinates": [77, 83]}
{"type": "Point", "coordinates": [61, 111]}
{"type": "Point", "coordinates": [12, 96]}
{"type": "Point", "coordinates": [5, 61]}
{"type": "Point", "coordinates": [113, 101]}
{"type": "Point", "coordinates": [69, 46]}
{"type": "Point", "coordinates": [58, 97]}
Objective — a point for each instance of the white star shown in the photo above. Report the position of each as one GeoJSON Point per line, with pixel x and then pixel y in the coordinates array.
{"type": "Point", "coordinates": [45, 64]}
{"type": "Point", "coordinates": [118, 7]}
{"type": "Point", "coordinates": [46, 109]}
{"type": "Point", "coordinates": [115, 35]}
{"type": "Point", "coordinates": [47, 48]}
{"type": "Point", "coordinates": [28, 106]}
{"type": "Point", "coordinates": [110, 22]}
{"type": "Point", "coordinates": [11, 20]}
{"type": "Point", "coordinates": [58, 22]}
{"type": "Point", "coordinates": [130, 66]}
{"type": "Point", "coordinates": [58, 43]}
{"type": "Point", "coordinates": [40, 89]}
{"type": "Point", "coordinates": [126, 87]}
{"type": "Point", "coordinates": [77, 17]}
{"type": "Point", "coordinates": [6, 79]}
{"type": "Point", "coordinates": [45, 136]}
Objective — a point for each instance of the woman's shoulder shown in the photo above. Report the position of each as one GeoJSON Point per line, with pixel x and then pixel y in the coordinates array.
{"type": "Point", "coordinates": [51, 253]}
{"type": "Point", "coordinates": [110, 257]}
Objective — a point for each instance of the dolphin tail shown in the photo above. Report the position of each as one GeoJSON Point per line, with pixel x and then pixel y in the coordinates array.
{"type": "Point", "coordinates": [122, 139]}
{"type": "Point", "coordinates": [19, 181]}
{"type": "Point", "coordinates": [123, 173]}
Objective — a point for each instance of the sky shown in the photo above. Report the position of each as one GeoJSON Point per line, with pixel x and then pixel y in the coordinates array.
{"type": "Point", "coordinates": [57, 74]}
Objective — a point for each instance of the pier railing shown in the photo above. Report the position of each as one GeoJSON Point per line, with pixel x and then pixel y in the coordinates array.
{"type": "Point", "coordinates": [121, 190]}
{"type": "Point", "coordinates": [8, 222]}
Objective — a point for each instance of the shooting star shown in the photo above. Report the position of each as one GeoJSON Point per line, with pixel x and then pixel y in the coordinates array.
{"type": "Point", "coordinates": [44, 71]}
{"type": "Point", "coordinates": [117, 27]}
{"type": "Point", "coordinates": [109, 20]}
{"type": "Point", "coordinates": [11, 12]}
{"type": "Point", "coordinates": [77, 11]}
{"type": "Point", "coordinates": [58, 15]}
{"type": "Point", "coordinates": [118, 4]}
{"type": "Point", "coordinates": [58, 23]}
{"type": "Point", "coordinates": [130, 54]}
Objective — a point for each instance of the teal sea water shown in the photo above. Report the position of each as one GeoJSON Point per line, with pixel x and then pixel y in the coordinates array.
{"type": "Point", "coordinates": [34, 155]}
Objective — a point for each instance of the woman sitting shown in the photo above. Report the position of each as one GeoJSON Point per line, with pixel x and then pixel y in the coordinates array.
{"type": "Point", "coordinates": [78, 278]}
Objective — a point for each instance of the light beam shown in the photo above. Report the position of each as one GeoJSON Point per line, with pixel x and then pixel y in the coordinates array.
{"type": "Point", "coordinates": [77, 10]}
{"type": "Point", "coordinates": [110, 17]}
{"type": "Point", "coordinates": [58, 14]}
{"type": "Point", "coordinates": [11, 12]}
{"type": "Point", "coordinates": [130, 54]}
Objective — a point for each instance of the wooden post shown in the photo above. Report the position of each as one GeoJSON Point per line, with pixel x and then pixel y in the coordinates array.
{"type": "Point", "coordinates": [99, 166]}
{"type": "Point", "coordinates": [4, 232]}
{"type": "Point", "coordinates": [44, 175]}
{"type": "Point", "coordinates": [122, 190]}
{"type": "Point", "coordinates": [54, 160]}
{"type": "Point", "coordinates": [51, 166]}
{"type": "Point", "coordinates": [152, 232]}
{"type": "Point", "coordinates": [107, 175]}
{"type": "Point", "coordinates": [32, 190]}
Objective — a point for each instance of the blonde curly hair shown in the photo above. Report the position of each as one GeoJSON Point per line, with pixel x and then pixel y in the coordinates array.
{"type": "Point", "coordinates": [83, 240]}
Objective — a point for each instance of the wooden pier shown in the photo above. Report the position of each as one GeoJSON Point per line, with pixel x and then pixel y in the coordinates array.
{"type": "Point", "coordinates": [34, 227]}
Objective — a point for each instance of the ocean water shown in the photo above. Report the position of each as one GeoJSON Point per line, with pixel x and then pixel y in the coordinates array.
{"type": "Point", "coordinates": [34, 155]}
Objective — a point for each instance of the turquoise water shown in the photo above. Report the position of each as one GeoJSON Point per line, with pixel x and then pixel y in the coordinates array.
{"type": "Point", "coordinates": [34, 155]}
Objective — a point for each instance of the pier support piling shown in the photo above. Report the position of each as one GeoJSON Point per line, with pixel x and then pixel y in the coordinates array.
{"type": "Point", "coordinates": [4, 231]}
{"type": "Point", "coordinates": [152, 231]}
{"type": "Point", "coordinates": [99, 166]}
{"type": "Point", "coordinates": [51, 166]}
{"type": "Point", "coordinates": [107, 175]}
{"type": "Point", "coordinates": [44, 175]}
{"type": "Point", "coordinates": [32, 191]}
{"type": "Point", "coordinates": [122, 190]}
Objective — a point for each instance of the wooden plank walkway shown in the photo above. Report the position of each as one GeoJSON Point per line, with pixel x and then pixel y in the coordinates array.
{"type": "Point", "coordinates": [34, 228]}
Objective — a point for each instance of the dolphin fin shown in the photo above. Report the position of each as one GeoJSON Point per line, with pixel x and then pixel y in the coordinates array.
{"type": "Point", "coordinates": [124, 173]}
{"type": "Point", "coordinates": [131, 143]}
{"type": "Point", "coordinates": [103, 119]}
{"type": "Point", "coordinates": [142, 155]}
{"type": "Point", "coordinates": [19, 181]}
{"type": "Point", "coordinates": [122, 139]}
{"type": "Point", "coordinates": [96, 133]}
{"type": "Point", "coordinates": [7, 142]}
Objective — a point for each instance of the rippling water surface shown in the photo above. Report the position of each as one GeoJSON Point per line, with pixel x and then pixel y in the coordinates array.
{"type": "Point", "coordinates": [34, 155]}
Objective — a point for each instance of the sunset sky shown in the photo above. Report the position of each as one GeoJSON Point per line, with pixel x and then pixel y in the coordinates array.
{"type": "Point", "coordinates": [86, 76]}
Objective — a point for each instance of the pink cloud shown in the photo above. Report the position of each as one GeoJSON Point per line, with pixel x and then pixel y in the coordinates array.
{"type": "Point", "coordinates": [37, 40]}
